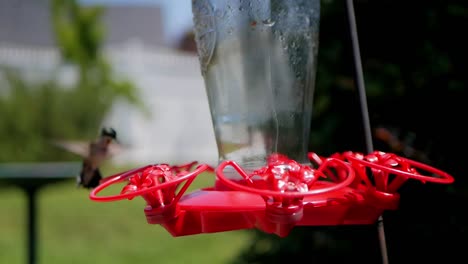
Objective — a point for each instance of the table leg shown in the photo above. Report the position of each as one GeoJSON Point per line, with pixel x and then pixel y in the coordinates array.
{"type": "Point", "coordinates": [32, 225]}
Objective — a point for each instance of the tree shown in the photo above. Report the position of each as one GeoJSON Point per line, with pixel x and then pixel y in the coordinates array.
{"type": "Point", "coordinates": [33, 113]}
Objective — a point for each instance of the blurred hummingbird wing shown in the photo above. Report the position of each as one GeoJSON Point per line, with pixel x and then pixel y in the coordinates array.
{"type": "Point", "coordinates": [76, 147]}
{"type": "Point", "coordinates": [115, 149]}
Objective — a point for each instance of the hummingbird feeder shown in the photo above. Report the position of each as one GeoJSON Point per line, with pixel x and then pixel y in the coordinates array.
{"type": "Point", "coordinates": [258, 62]}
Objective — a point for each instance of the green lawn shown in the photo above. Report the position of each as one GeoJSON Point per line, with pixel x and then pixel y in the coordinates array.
{"type": "Point", "coordinates": [74, 229]}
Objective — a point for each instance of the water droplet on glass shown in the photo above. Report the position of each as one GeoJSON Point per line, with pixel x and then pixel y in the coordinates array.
{"type": "Point", "coordinates": [219, 13]}
{"type": "Point", "coordinates": [268, 22]}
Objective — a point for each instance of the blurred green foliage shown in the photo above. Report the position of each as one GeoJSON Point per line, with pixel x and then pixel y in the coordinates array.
{"type": "Point", "coordinates": [33, 112]}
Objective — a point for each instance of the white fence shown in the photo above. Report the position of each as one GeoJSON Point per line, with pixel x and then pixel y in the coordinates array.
{"type": "Point", "coordinates": [179, 128]}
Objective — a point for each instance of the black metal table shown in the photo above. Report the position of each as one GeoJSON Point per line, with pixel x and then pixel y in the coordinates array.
{"type": "Point", "coordinates": [31, 177]}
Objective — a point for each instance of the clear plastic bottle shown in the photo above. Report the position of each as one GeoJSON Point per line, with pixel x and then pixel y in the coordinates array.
{"type": "Point", "coordinates": [258, 61]}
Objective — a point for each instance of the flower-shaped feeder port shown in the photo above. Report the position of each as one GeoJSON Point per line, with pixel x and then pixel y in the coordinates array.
{"type": "Point", "coordinates": [379, 175]}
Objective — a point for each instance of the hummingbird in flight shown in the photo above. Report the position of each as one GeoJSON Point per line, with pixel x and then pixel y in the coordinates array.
{"type": "Point", "coordinates": [94, 154]}
{"type": "Point", "coordinates": [90, 175]}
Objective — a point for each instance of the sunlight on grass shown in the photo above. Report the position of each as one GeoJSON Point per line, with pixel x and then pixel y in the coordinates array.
{"type": "Point", "coordinates": [74, 229]}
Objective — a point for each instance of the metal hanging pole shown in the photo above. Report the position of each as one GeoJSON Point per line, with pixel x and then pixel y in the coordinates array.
{"type": "Point", "coordinates": [365, 112]}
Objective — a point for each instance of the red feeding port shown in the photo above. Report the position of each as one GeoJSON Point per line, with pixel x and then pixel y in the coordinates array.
{"type": "Point", "coordinates": [343, 189]}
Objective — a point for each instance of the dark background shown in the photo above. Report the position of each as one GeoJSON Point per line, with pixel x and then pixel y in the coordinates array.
{"type": "Point", "coordinates": [414, 63]}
